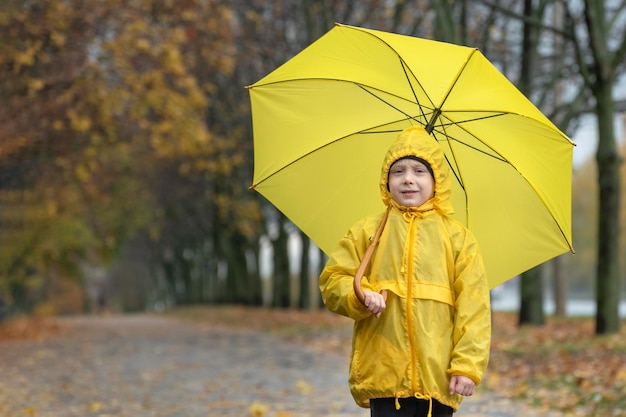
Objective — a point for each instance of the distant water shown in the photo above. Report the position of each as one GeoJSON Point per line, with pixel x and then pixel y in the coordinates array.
{"type": "Point", "coordinates": [509, 300]}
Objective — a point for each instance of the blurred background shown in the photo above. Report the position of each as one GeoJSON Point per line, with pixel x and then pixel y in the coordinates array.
{"type": "Point", "coordinates": [126, 147]}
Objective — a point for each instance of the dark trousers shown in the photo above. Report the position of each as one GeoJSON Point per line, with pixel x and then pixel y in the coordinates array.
{"type": "Point", "coordinates": [409, 407]}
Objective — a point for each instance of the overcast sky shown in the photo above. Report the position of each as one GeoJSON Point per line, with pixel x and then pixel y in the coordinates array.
{"type": "Point", "coordinates": [586, 138]}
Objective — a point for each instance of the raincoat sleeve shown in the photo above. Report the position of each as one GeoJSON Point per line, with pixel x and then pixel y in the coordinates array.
{"type": "Point", "coordinates": [336, 280]}
{"type": "Point", "coordinates": [472, 328]}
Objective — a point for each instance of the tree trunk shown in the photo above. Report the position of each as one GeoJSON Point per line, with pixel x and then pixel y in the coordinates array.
{"type": "Point", "coordinates": [608, 163]}
{"type": "Point", "coordinates": [559, 286]}
{"type": "Point", "coordinates": [305, 276]}
{"type": "Point", "coordinates": [226, 250]}
{"type": "Point", "coordinates": [559, 277]}
{"type": "Point", "coordinates": [187, 295]}
{"type": "Point", "coordinates": [605, 65]}
{"type": "Point", "coordinates": [531, 292]}
{"type": "Point", "coordinates": [445, 23]}
{"type": "Point", "coordinates": [169, 274]}
{"type": "Point", "coordinates": [255, 286]}
{"type": "Point", "coordinates": [531, 302]}
{"type": "Point", "coordinates": [281, 288]}
{"type": "Point", "coordinates": [238, 268]}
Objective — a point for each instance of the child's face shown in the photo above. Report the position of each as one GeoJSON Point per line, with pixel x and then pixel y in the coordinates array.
{"type": "Point", "coordinates": [410, 183]}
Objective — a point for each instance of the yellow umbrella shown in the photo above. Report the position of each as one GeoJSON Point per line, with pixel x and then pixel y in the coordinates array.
{"type": "Point", "coordinates": [323, 121]}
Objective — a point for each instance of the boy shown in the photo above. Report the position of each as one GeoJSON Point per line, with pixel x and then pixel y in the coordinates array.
{"type": "Point", "coordinates": [421, 350]}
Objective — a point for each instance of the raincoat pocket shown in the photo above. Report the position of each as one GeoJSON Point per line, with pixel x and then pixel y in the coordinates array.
{"type": "Point", "coordinates": [432, 291]}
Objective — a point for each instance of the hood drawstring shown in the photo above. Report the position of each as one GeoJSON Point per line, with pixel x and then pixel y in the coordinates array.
{"type": "Point", "coordinates": [409, 217]}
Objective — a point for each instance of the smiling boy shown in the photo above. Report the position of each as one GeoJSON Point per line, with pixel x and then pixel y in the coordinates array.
{"type": "Point", "coordinates": [418, 352]}
{"type": "Point", "coordinates": [411, 181]}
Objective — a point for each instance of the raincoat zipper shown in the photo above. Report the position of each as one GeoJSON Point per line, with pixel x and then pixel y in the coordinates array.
{"type": "Point", "coordinates": [408, 262]}
{"type": "Point", "coordinates": [407, 270]}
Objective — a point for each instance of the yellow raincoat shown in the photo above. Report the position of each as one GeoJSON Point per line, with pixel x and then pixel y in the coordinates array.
{"type": "Point", "coordinates": [437, 322]}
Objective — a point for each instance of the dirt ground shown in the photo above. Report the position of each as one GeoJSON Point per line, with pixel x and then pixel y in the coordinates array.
{"type": "Point", "coordinates": [155, 366]}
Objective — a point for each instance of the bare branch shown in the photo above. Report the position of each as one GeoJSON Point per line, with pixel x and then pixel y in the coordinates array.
{"type": "Point", "coordinates": [528, 20]}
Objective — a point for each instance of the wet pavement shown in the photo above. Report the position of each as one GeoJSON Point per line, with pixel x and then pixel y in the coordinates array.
{"type": "Point", "coordinates": [151, 366]}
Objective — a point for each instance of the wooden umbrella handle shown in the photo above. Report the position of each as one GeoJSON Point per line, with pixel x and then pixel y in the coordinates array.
{"type": "Point", "coordinates": [356, 284]}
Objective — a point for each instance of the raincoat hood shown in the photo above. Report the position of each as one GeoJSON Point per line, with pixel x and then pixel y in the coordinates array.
{"type": "Point", "coordinates": [415, 141]}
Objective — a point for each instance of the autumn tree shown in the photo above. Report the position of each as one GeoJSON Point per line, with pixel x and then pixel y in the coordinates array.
{"type": "Point", "coordinates": [114, 124]}
{"type": "Point", "coordinates": [183, 57]}
{"type": "Point", "coordinates": [44, 53]}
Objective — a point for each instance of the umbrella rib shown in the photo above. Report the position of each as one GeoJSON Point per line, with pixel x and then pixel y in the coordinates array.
{"type": "Point", "coordinates": [431, 122]}
{"type": "Point", "coordinates": [367, 88]}
{"type": "Point", "coordinates": [408, 116]}
{"type": "Point", "coordinates": [368, 131]}
{"type": "Point", "coordinates": [417, 101]}
{"type": "Point", "coordinates": [497, 156]}
{"type": "Point", "coordinates": [361, 132]}
{"type": "Point", "coordinates": [442, 131]}
{"type": "Point", "coordinates": [475, 119]}
{"type": "Point", "coordinates": [435, 113]}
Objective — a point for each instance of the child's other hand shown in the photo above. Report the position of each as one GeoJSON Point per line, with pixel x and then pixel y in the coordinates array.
{"type": "Point", "coordinates": [374, 302]}
{"type": "Point", "coordinates": [462, 385]}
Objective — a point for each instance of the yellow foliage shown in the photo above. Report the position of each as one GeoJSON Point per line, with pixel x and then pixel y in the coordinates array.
{"type": "Point", "coordinates": [51, 208]}
{"type": "Point", "coordinates": [126, 102]}
{"type": "Point", "coordinates": [34, 85]}
{"type": "Point", "coordinates": [46, 309]}
{"type": "Point", "coordinates": [58, 38]}
{"type": "Point", "coordinates": [25, 58]}
{"type": "Point", "coordinates": [82, 173]}
{"type": "Point", "coordinates": [78, 122]}
{"type": "Point", "coordinates": [138, 26]}
{"type": "Point", "coordinates": [142, 44]}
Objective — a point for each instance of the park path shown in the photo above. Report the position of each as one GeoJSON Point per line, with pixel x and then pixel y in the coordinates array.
{"type": "Point", "coordinates": [152, 366]}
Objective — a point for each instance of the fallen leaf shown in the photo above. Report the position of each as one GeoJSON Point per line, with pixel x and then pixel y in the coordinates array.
{"type": "Point", "coordinates": [303, 387]}
{"type": "Point", "coordinates": [258, 409]}
{"type": "Point", "coordinates": [94, 407]}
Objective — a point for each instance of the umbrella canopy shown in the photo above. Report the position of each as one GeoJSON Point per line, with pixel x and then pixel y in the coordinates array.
{"type": "Point", "coordinates": [323, 121]}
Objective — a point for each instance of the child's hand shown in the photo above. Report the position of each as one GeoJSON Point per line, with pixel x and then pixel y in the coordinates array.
{"type": "Point", "coordinates": [374, 302]}
{"type": "Point", "coordinates": [462, 385]}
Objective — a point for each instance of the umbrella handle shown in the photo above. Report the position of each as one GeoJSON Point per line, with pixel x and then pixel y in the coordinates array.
{"type": "Point", "coordinates": [356, 284]}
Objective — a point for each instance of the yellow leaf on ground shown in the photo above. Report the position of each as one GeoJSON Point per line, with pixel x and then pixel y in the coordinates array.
{"type": "Point", "coordinates": [303, 387]}
{"type": "Point", "coordinates": [94, 407]}
{"type": "Point", "coordinates": [258, 409]}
